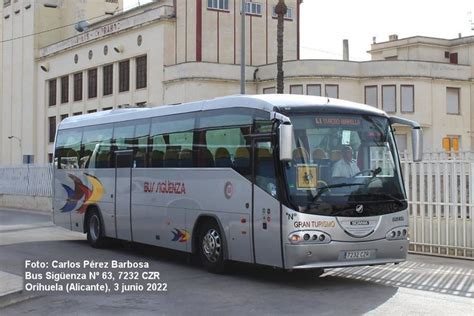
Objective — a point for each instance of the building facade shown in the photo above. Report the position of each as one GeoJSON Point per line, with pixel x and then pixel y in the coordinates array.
{"type": "Point", "coordinates": [169, 52]}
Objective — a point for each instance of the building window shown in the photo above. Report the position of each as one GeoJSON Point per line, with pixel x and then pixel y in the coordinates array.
{"type": "Point", "coordinates": [452, 100]}
{"type": "Point", "coordinates": [52, 92]}
{"type": "Point", "coordinates": [452, 143]}
{"type": "Point", "coordinates": [407, 98]}
{"type": "Point", "coordinates": [64, 116]}
{"type": "Point", "coordinates": [78, 86]}
{"type": "Point", "coordinates": [28, 159]}
{"type": "Point", "coordinates": [124, 76]}
{"type": "Point", "coordinates": [218, 4]}
{"type": "Point", "coordinates": [288, 15]}
{"type": "Point", "coordinates": [370, 95]}
{"type": "Point", "coordinates": [108, 80]}
{"type": "Point", "coordinates": [65, 89]}
{"type": "Point", "coordinates": [77, 114]}
{"type": "Point", "coordinates": [141, 72]}
{"type": "Point", "coordinates": [91, 111]}
{"type": "Point", "coordinates": [332, 90]}
{"type": "Point", "coordinates": [92, 83]}
{"type": "Point", "coordinates": [253, 8]}
{"type": "Point", "coordinates": [389, 98]}
{"type": "Point", "coordinates": [52, 128]}
{"type": "Point", "coordinates": [270, 90]}
{"type": "Point", "coordinates": [107, 109]}
{"type": "Point", "coordinates": [453, 58]}
{"type": "Point", "coordinates": [50, 158]}
{"type": "Point", "coordinates": [296, 89]}
{"type": "Point", "coordinates": [313, 89]}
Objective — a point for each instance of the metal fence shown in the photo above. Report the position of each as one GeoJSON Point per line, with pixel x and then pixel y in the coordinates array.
{"type": "Point", "coordinates": [28, 180]}
{"type": "Point", "coordinates": [440, 190]}
{"type": "Point", "coordinates": [441, 194]}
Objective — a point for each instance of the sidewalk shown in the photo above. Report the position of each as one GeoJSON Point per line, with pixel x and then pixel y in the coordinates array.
{"type": "Point", "coordinates": [11, 286]}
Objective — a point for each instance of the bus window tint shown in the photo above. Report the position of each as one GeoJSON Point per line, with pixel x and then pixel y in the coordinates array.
{"type": "Point", "coordinates": [264, 168]}
{"type": "Point", "coordinates": [96, 143]}
{"type": "Point", "coordinates": [68, 145]}
{"type": "Point", "coordinates": [230, 148]}
{"type": "Point", "coordinates": [226, 117]}
{"type": "Point", "coordinates": [172, 141]}
{"type": "Point", "coordinates": [140, 143]}
{"type": "Point", "coordinates": [172, 124]}
{"type": "Point", "coordinates": [179, 152]}
{"type": "Point", "coordinates": [123, 136]}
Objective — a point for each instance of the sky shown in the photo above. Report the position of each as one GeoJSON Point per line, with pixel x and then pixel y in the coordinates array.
{"type": "Point", "coordinates": [324, 24]}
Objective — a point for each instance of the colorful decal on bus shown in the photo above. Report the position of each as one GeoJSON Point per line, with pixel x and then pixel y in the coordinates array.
{"type": "Point", "coordinates": [180, 235]}
{"type": "Point", "coordinates": [82, 193]}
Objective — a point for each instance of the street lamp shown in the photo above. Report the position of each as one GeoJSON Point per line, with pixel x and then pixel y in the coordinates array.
{"type": "Point", "coordinates": [19, 141]}
{"type": "Point", "coordinates": [15, 137]}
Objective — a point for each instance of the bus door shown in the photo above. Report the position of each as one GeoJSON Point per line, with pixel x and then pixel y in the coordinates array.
{"type": "Point", "coordinates": [266, 207]}
{"type": "Point", "coordinates": [123, 180]}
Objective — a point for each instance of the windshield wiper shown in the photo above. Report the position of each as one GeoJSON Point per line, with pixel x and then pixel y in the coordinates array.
{"type": "Point", "coordinates": [321, 190]}
{"type": "Point", "coordinates": [392, 197]}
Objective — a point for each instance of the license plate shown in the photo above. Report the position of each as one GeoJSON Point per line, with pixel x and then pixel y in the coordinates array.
{"type": "Point", "coordinates": [358, 254]}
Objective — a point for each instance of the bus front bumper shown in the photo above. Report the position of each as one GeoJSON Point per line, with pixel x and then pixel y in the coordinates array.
{"type": "Point", "coordinates": [338, 254]}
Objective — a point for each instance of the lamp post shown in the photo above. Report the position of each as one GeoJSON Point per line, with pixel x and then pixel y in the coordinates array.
{"type": "Point", "coordinates": [19, 142]}
{"type": "Point", "coordinates": [242, 48]}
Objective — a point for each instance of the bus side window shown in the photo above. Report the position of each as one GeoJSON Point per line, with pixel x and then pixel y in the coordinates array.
{"type": "Point", "coordinates": [98, 141]}
{"type": "Point", "coordinates": [123, 136]}
{"type": "Point", "coordinates": [264, 168]}
{"type": "Point", "coordinates": [140, 142]}
{"type": "Point", "coordinates": [230, 149]}
{"type": "Point", "coordinates": [171, 141]}
{"type": "Point", "coordinates": [68, 147]}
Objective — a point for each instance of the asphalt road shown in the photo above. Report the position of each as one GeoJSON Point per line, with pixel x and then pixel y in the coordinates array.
{"type": "Point", "coordinates": [421, 286]}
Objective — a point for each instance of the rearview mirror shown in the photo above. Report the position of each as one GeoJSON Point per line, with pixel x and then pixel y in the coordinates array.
{"type": "Point", "coordinates": [286, 142]}
{"type": "Point", "coordinates": [417, 144]}
{"type": "Point", "coordinates": [416, 136]}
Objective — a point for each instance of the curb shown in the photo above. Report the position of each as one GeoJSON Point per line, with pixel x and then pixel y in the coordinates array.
{"type": "Point", "coordinates": [14, 297]}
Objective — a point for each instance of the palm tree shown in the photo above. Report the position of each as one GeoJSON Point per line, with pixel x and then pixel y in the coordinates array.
{"type": "Point", "coordinates": [280, 10]}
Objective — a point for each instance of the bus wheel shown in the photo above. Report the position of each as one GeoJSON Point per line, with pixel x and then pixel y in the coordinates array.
{"type": "Point", "coordinates": [211, 247]}
{"type": "Point", "coordinates": [95, 230]}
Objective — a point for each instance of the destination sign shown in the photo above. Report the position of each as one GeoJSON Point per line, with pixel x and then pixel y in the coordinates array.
{"type": "Point", "coordinates": [340, 121]}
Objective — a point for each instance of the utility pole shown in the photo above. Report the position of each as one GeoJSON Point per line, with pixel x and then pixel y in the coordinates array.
{"type": "Point", "coordinates": [242, 49]}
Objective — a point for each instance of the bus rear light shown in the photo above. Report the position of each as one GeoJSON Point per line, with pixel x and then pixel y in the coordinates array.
{"type": "Point", "coordinates": [306, 236]}
{"type": "Point", "coordinates": [397, 233]}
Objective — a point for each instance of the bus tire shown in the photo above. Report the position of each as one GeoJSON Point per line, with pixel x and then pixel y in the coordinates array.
{"type": "Point", "coordinates": [211, 247]}
{"type": "Point", "coordinates": [95, 230]}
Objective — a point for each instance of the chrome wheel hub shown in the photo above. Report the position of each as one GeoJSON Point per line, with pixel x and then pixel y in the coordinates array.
{"type": "Point", "coordinates": [211, 245]}
{"type": "Point", "coordinates": [94, 227]}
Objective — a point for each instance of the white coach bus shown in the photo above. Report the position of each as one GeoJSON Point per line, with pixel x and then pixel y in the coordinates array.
{"type": "Point", "coordinates": [293, 182]}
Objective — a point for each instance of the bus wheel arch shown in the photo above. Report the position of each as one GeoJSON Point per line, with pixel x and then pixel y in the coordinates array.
{"type": "Point", "coordinates": [94, 227]}
{"type": "Point", "coordinates": [209, 226]}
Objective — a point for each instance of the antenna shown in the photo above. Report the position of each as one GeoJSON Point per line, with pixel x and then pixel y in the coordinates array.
{"type": "Point", "coordinates": [81, 26]}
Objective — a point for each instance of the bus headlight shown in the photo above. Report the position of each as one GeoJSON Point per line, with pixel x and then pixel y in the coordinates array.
{"type": "Point", "coordinates": [398, 233]}
{"type": "Point", "coordinates": [309, 237]}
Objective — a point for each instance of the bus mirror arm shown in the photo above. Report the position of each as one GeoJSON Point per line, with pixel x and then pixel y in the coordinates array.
{"type": "Point", "coordinates": [416, 136]}
{"type": "Point", "coordinates": [286, 136]}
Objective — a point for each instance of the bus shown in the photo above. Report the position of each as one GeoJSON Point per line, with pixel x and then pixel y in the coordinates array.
{"type": "Point", "coordinates": [293, 182]}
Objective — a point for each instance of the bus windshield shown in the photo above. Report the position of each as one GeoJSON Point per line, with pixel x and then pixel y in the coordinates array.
{"type": "Point", "coordinates": [344, 165]}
